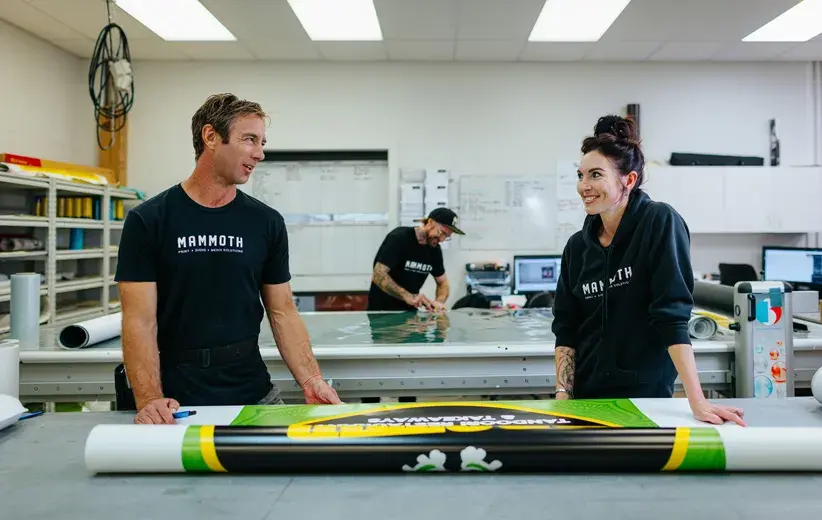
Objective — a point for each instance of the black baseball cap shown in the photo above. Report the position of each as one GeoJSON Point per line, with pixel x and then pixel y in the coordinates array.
{"type": "Point", "coordinates": [447, 218]}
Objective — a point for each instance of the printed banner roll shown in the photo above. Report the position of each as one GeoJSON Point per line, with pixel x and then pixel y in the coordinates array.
{"type": "Point", "coordinates": [91, 332]}
{"type": "Point", "coordinates": [329, 448]}
{"type": "Point", "coordinates": [702, 327]}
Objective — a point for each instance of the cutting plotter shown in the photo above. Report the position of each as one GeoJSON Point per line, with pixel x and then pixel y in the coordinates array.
{"type": "Point", "coordinates": [761, 317]}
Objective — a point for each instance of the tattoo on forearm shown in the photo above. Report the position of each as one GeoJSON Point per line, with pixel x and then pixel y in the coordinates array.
{"type": "Point", "coordinates": [566, 366]}
{"type": "Point", "coordinates": [386, 283]}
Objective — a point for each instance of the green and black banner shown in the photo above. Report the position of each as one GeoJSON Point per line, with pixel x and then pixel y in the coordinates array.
{"type": "Point", "coordinates": [450, 438]}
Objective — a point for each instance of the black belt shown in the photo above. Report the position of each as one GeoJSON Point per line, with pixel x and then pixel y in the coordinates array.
{"type": "Point", "coordinates": [206, 357]}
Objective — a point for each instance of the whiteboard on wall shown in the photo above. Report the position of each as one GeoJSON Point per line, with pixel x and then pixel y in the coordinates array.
{"type": "Point", "coordinates": [521, 213]}
{"type": "Point", "coordinates": [508, 212]}
{"type": "Point", "coordinates": [303, 189]}
{"type": "Point", "coordinates": [336, 213]}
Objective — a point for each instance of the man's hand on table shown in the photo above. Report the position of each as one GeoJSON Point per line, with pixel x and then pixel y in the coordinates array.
{"type": "Point", "coordinates": [438, 306]}
{"type": "Point", "coordinates": [318, 391]}
{"type": "Point", "coordinates": [157, 411]}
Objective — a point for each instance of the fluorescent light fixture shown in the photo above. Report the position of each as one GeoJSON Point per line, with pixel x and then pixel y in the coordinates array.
{"type": "Point", "coordinates": [800, 23]}
{"type": "Point", "coordinates": [177, 20]}
{"type": "Point", "coordinates": [576, 20]}
{"type": "Point", "coordinates": [338, 20]}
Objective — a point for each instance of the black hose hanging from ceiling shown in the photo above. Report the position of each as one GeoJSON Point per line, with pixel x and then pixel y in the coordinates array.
{"type": "Point", "coordinates": [111, 104]}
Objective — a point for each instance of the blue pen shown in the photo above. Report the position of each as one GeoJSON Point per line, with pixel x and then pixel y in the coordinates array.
{"type": "Point", "coordinates": [30, 415]}
{"type": "Point", "coordinates": [183, 414]}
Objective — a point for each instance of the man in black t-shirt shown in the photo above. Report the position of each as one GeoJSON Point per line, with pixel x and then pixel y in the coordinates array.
{"type": "Point", "coordinates": [405, 259]}
{"type": "Point", "coordinates": [199, 266]}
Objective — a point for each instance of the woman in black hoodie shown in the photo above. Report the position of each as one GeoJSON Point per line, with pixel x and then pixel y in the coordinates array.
{"type": "Point", "coordinates": [624, 295]}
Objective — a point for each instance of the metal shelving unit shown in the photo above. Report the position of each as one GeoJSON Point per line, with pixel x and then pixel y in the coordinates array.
{"type": "Point", "coordinates": [52, 189]}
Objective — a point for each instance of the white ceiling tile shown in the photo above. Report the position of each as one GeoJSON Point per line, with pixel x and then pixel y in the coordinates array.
{"type": "Point", "coordinates": [353, 51]}
{"type": "Point", "coordinates": [418, 19]}
{"type": "Point", "coordinates": [752, 51]}
{"type": "Point", "coordinates": [155, 49]}
{"type": "Point", "coordinates": [414, 50]}
{"type": "Point", "coordinates": [686, 51]}
{"type": "Point", "coordinates": [497, 19]}
{"type": "Point", "coordinates": [259, 20]}
{"type": "Point", "coordinates": [26, 17]}
{"type": "Point", "coordinates": [621, 51]}
{"type": "Point", "coordinates": [423, 30]}
{"type": "Point", "coordinates": [292, 50]}
{"type": "Point", "coordinates": [486, 50]}
{"type": "Point", "coordinates": [81, 47]}
{"type": "Point", "coordinates": [212, 51]}
{"type": "Point", "coordinates": [808, 51]}
{"type": "Point", "coordinates": [693, 20]}
{"type": "Point", "coordinates": [89, 17]}
{"type": "Point", "coordinates": [553, 51]}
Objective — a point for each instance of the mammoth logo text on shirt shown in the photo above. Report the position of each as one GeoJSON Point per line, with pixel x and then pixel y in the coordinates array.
{"type": "Point", "coordinates": [209, 244]}
{"type": "Point", "coordinates": [418, 267]}
{"type": "Point", "coordinates": [596, 288]}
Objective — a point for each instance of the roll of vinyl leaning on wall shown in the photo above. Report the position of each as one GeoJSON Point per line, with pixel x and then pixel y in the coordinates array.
{"type": "Point", "coordinates": [303, 449]}
{"type": "Point", "coordinates": [90, 332]}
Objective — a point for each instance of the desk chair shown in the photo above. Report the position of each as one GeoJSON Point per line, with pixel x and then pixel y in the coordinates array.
{"type": "Point", "coordinates": [729, 274]}
{"type": "Point", "coordinates": [543, 300]}
{"type": "Point", "coordinates": [472, 301]}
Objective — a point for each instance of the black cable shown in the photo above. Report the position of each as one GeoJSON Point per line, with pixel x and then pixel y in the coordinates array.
{"type": "Point", "coordinates": [100, 75]}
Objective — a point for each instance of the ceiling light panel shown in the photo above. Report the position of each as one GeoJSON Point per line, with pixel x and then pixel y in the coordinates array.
{"type": "Point", "coordinates": [338, 20]}
{"type": "Point", "coordinates": [800, 23]}
{"type": "Point", "coordinates": [177, 20]}
{"type": "Point", "coordinates": [576, 20]}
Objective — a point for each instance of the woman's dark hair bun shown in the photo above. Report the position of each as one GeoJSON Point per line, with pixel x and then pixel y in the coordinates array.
{"type": "Point", "coordinates": [617, 138]}
{"type": "Point", "coordinates": [621, 128]}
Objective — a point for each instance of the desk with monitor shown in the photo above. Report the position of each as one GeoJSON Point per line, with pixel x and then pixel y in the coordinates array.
{"type": "Point", "coordinates": [799, 266]}
{"type": "Point", "coordinates": [534, 275]}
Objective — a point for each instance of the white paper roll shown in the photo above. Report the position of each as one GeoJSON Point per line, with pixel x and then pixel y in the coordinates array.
{"type": "Point", "coordinates": [135, 448]}
{"type": "Point", "coordinates": [816, 385]}
{"type": "Point", "coordinates": [25, 309]}
{"type": "Point", "coordinates": [10, 410]}
{"type": "Point", "coordinates": [10, 368]}
{"type": "Point", "coordinates": [772, 449]}
{"type": "Point", "coordinates": [90, 332]}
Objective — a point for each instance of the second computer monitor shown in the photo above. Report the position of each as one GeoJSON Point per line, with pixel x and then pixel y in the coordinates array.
{"type": "Point", "coordinates": [536, 274]}
{"type": "Point", "coordinates": [795, 265]}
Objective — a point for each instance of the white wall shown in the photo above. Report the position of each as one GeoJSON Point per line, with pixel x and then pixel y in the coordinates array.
{"type": "Point", "coordinates": [40, 85]}
{"type": "Point", "coordinates": [484, 118]}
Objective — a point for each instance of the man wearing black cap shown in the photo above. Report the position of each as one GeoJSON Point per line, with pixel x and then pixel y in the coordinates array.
{"type": "Point", "coordinates": [405, 259]}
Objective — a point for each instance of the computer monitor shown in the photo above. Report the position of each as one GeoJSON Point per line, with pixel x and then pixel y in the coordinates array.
{"type": "Point", "coordinates": [536, 274]}
{"type": "Point", "coordinates": [795, 265]}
